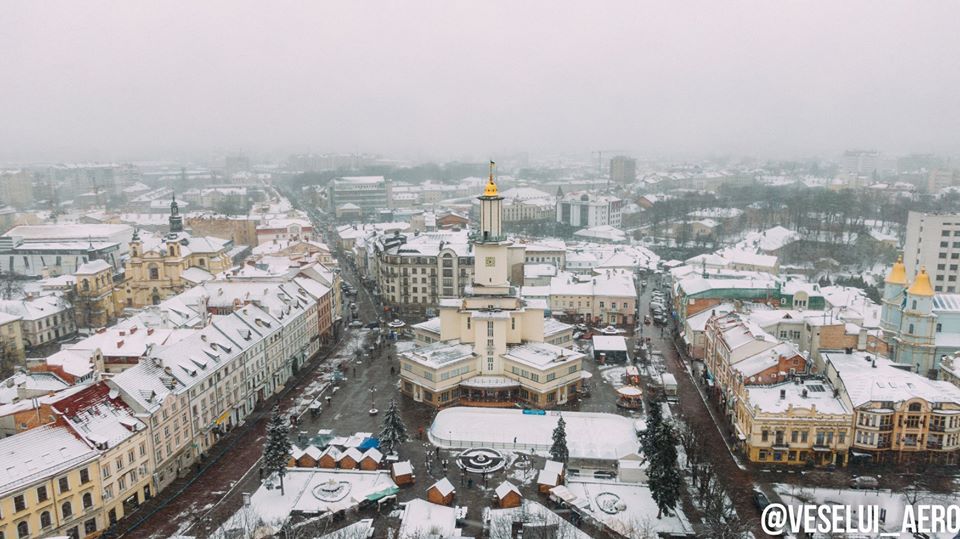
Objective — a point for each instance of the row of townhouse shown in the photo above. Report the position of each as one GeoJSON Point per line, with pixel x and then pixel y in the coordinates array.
{"type": "Point", "coordinates": [786, 408]}
{"type": "Point", "coordinates": [609, 297]}
{"type": "Point", "coordinates": [202, 386]}
{"type": "Point", "coordinates": [93, 453]}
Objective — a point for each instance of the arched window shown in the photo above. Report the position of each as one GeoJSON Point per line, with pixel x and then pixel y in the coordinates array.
{"type": "Point", "coordinates": [910, 329]}
{"type": "Point", "coordinates": [86, 285]}
{"type": "Point", "coordinates": [45, 519]}
{"type": "Point", "coordinates": [914, 407]}
{"type": "Point", "coordinates": [154, 272]}
{"type": "Point", "coordinates": [939, 327]}
{"type": "Point", "coordinates": [913, 305]}
{"type": "Point", "coordinates": [87, 500]}
{"type": "Point", "coordinates": [66, 510]}
{"type": "Point", "coordinates": [203, 262]}
{"type": "Point", "coordinates": [23, 529]}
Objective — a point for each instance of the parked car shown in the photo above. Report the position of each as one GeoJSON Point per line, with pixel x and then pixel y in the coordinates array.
{"type": "Point", "coordinates": [864, 481]}
{"type": "Point", "coordinates": [610, 330]}
{"type": "Point", "coordinates": [355, 324]}
{"type": "Point", "coordinates": [646, 320]}
{"type": "Point", "coordinates": [760, 500]}
{"type": "Point", "coordinates": [373, 325]}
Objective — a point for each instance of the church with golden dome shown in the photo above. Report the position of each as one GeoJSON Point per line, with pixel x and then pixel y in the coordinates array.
{"type": "Point", "coordinates": [919, 324]}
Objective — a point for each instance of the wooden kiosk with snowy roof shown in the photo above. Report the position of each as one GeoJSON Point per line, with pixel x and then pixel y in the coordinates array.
{"type": "Point", "coordinates": [508, 495]}
{"type": "Point", "coordinates": [441, 492]}
{"type": "Point", "coordinates": [402, 473]}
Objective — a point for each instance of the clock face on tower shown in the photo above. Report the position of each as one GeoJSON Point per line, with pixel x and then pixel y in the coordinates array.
{"type": "Point", "coordinates": [490, 261]}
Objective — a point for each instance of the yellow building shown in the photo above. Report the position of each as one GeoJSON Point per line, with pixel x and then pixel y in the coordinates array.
{"type": "Point", "coordinates": [793, 423]}
{"type": "Point", "coordinates": [156, 268]}
{"type": "Point", "coordinates": [100, 417]}
{"type": "Point", "coordinates": [11, 342]}
{"type": "Point", "coordinates": [50, 486]}
{"type": "Point", "coordinates": [96, 303]}
{"type": "Point", "coordinates": [907, 418]}
{"type": "Point", "coordinates": [490, 347]}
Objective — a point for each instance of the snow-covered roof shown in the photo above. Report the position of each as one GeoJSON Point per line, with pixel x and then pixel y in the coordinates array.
{"type": "Point", "coordinates": [93, 267]}
{"type": "Point", "coordinates": [439, 354]}
{"type": "Point", "coordinates": [35, 308]}
{"type": "Point", "coordinates": [444, 487]}
{"type": "Point", "coordinates": [810, 393]}
{"type": "Point", "coordinates": [424, 519]}
{"type": "Point", "coordinates": [99, 414]}
{"type": "Point", "coordinates": [614, 343]}
{"type": "Point", "coordinates": [541, 355]}
{"type": "Point", "coordinates": [698, 322]}
{"type": "Point", "coordinates": [602, 232]}
{"type": "Point", "coordinates": [698, 285]}
{"type": "Point", "coordinates": [552, 326]}
{"type": "Point", "coordinates": [39, 453]}
{"type": "Point", "coordinates": [609, 283]}
{"type": "Point", "coordinates": [888, 382]}
{"type": "Point", "coordinates": [505, 488]}
{"type": "Point", "coordinates": [402, 468]}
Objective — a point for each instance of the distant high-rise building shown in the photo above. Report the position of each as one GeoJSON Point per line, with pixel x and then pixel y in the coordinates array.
{"type": "Point", "coordinates": [584, 210]}
{"type": "Point", "coordinates": [867, 163]}
{"type": "Point", "coordinates": [16, 188]}
{"type": "Point", "coordinates": [933, 241]}
{"type": "Point", "coordinates": [623, 169]}
{"type": "Point", "coordinates": [369, 193]}
{"type": "Point", "coordinates": [940, 178]}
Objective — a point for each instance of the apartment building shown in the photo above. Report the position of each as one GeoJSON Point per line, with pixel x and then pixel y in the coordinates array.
{"type": "Point", "coordinates": [583, 209]}
{"type": "Point", "coordinates": [16, 188]}
{"type": "Point", "coordinates": [900, 417]}
{"type": "Point", "coordinates": [99, 416]}
{"type": "Point", "coordinates": [50, 485]}
{"type": "Point", "coordinates": [933, 242]}
{"type": "Point", "coordinates": [43, 319]}
{"type": "Point", "coordinates": [795, 422]}
{"type": "Point", "coordinates": [623, 169]}
{"type": "Point", "coordinates": [368, 193]}
{"type": "Point", "coordinates": [413, 271]}
{"type": "Point", "coordinates": [609, 297]}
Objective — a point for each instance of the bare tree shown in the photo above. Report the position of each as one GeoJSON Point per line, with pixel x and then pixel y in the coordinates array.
{"type": "Point", "coordinates": [719, 516]}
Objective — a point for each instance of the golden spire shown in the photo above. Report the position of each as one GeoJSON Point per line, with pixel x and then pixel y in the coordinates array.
{"type": "Point", "coordinates": [897, 275]}
{"type": "Point", "coordinates": [491, 189]}
{"type": "Point", "coordinates": [921, 285]}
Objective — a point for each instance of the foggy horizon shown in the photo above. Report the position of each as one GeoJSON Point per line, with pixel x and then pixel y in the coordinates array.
{"type": "Point", "coordinates": [119, 81]}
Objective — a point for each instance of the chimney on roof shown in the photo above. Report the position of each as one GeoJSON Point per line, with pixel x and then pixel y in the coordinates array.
{"type": "Point", "coordinates": [120, 343]}
{"type": "Point", "coordinates": [873, 363]}
{"type": "Point", "coordinates": [804, 393]}
{"type": "Point", "coordinates": [783, 394]}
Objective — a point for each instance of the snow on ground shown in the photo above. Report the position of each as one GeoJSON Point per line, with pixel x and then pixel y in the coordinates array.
{"type": "Point", "coordinates": [613, 375]}
{"type": "Point", "coordinates": [589, 435]}
{"type": "Point", "coordinates": [310, 491]}
{"type": "Point", "coordinates": [522, 471]}
{"type": "Point", "coordinates": [501, 521]}
{"type": "Point", "coordinates": [893, 502]}
{"type": "Point", "coordinates": [633, 505]}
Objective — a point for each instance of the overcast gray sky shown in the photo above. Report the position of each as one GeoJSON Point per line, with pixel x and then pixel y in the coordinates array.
{"type": "Point", "coordinates": [137, 79]}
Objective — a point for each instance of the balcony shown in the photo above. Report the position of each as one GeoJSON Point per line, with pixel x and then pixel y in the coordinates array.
{"type": "Point", "coordinates": [934, 445]}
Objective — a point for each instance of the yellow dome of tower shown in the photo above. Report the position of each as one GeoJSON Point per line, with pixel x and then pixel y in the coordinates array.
{"type": "Point", "coordinates": [921, 285]}
{"type": "Point", "coordinates": [897, 275]}
{"type": "Point", "coordinates": [491, 189]}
